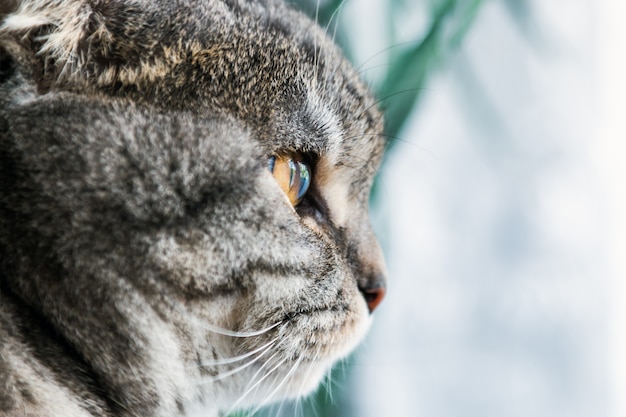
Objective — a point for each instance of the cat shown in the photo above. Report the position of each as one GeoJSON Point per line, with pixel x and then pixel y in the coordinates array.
{"type": "Point", "coordinates": [183, 206]}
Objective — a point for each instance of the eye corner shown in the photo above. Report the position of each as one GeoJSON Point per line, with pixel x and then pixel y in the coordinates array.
{"type": "Point", "coordinates": [313, 205]}
{"type": "Point", "coordinates": [311, 158]}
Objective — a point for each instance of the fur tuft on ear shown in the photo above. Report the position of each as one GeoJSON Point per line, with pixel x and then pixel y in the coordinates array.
{"type": "Point", "coordinates": [67, 21]}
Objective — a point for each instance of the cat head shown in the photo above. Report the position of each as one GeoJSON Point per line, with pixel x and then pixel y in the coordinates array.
{"type": "Point", "coordinates": [143, 210]}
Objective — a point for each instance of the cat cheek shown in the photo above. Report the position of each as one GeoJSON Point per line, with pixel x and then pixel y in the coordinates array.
{"type": "Point", "coordinates": [334, 188]}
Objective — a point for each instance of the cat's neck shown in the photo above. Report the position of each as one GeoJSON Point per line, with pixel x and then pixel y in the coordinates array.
{"type": "Point", "coordinates": [115, 371]}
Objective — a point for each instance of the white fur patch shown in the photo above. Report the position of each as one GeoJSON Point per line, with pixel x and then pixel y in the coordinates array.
{"type": "Point", "coordinates": [23, 22]}
{"type": "Point", "coordinates": [335, 193]}
{"type": "Point", "coordinates": [327, 119]}
{"type": "Point", "coordinates": [333, 186]}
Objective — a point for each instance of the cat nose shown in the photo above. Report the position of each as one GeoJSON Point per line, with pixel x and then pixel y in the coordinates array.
{"type": "Point", "coordinates": [374, 291]}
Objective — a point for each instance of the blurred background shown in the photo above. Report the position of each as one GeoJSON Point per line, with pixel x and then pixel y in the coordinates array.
{"type": "Point", "coordinates": [501, 207]}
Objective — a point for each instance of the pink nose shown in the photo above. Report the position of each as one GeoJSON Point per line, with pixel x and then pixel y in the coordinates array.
{"type": "Point", "coordinates": [373, 296]}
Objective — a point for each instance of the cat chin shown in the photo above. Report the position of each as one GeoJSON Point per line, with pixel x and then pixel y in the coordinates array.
{"type": "Point", "coordinates": [301, 374]}
{"type": "Point", "coordinates": [298, 382]}
{"type": "Point", "coordinates": [322, 336]}
{"type": "Point", "coordinates": [308, 375]}
{"type": "Point", "coordinates": [305, 381]}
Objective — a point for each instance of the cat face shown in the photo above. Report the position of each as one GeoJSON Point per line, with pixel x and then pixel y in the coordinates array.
{"type": "Point", "coordinates": [139, 212]}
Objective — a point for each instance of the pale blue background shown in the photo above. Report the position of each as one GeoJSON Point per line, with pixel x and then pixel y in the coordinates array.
{"type": "Point", "coordinates": [498, 220]}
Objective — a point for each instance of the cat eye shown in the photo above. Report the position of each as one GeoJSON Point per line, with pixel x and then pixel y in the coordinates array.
{"type": "Point", "coordinates": [293, 176]}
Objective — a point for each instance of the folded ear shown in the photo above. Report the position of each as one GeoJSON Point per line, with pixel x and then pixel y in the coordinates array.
{"type": "Point", "coordinates": [49, 39]}
{"type": "Point", "coordinates": [18, 77]}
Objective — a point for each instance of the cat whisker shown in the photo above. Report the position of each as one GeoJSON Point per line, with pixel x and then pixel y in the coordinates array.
{"type": "Point", "coordinates": [335, 14]}
{"type": "Point", "coordinates": [234, 359]}
{"type": "Point", "coordinates": [315, 52]}
{"type": "Point", "coordinates": [249, 390]}
{"type": "Point", "coordinates": [235, 370]}
{"type": "Point", "coordinates": [387, 97]}
{"type": "Point", "coordinates": [258, 372]}
{"type": "Point", "coordinates": [254, 382]}
{"type": "Point", "coordinates": [306, 377]}
{"type": "Point", "coordinates": [338, 11]}
{"type": "Point", "coordinates": [280, 385]}
{"type": "Point", "coordinates": [254, 377]}
{"type": "Point", "coordinates": [219, 330]}
{"type": "Point", "coordinates": [266, 388]}
{"type": "Point", "coordinates": [328, 383]}
{"type": "Point", "coordinates": [387, 49]}
{"type": "Point", "coordinates": [362, 170]}
{"type": "Point", "coordinates": [363, 71]}
{"type": "Point", "coordinates": [264, 350]}
{"type": "Point", "coordinates": [389, 139]}
{"type": "Point", "coordinates": [280, 406]}
{"type": "Point", "coordinates": [317, 12]}
{"type": "Point", "coordinates": [298, 407]}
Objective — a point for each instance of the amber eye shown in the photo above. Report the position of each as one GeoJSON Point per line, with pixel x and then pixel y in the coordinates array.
{"type": "Point", "coordinates": [293, 176]}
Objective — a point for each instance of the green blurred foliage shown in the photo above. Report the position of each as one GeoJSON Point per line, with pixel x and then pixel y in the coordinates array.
{"type": "Point", "coordinates": [410, 67]}
{"type": "Point", "coordinates": [404, 77]}
{"type": "Point", "coordinates": [409, 63]}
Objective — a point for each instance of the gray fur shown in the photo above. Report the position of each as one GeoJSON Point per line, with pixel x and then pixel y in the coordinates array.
{"type": "Point", "coordinates": [138, 217]}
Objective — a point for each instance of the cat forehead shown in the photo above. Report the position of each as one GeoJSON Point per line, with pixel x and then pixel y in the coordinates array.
{"type": "Point", "coordinates": [355, 142]}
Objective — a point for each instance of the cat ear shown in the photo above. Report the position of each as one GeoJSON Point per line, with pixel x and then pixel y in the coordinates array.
{"type": "Point", "coordinates": [51, 37]}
